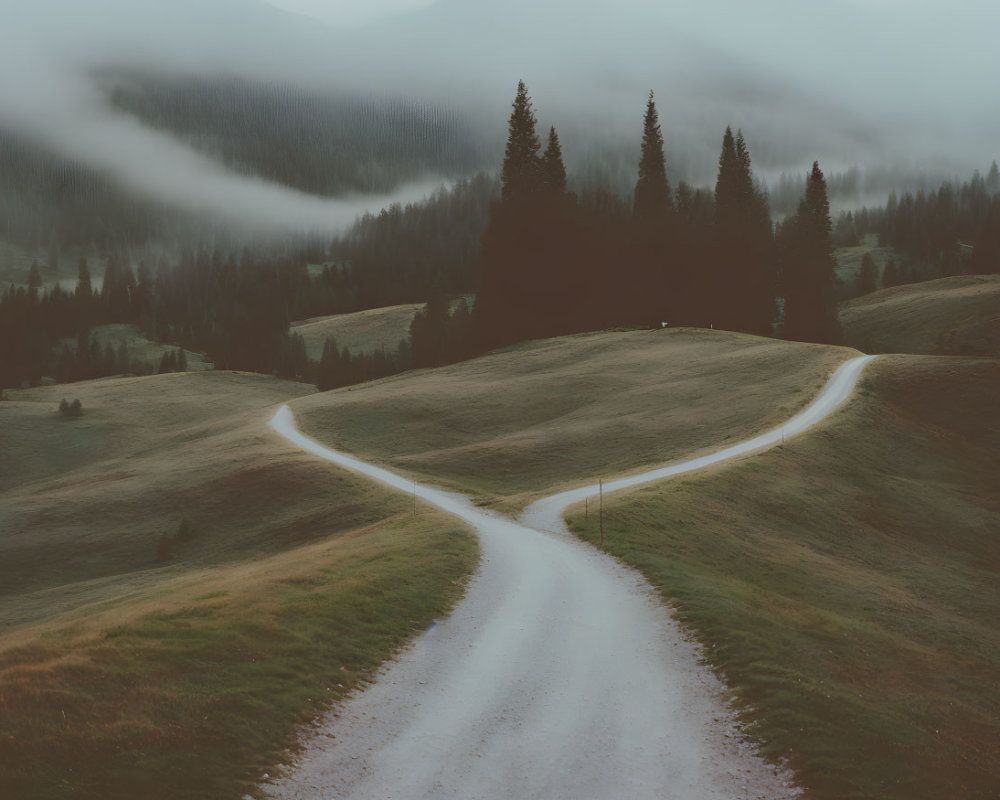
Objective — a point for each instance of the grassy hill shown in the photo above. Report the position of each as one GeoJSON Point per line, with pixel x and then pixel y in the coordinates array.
{"type": "Point", "coordinates": [288, 582]}
{"type": "Point", "coordinates": [849, 258]}
{"type": "Point", "coordinates": [958, 315]}
{"type": "Point", "coordinates": [140, 347]}
{"type": "Point", "coordinates": [364, 331]}
{"type": "Point", "coordinates": [361, 331]}
{"type": "Point", "coordinates": [544, 415]}
{"type": "Point", "coordinates": [846, 583]}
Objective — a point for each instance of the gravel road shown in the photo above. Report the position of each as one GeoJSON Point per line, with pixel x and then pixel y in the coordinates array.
{"type": "Point", "coordinates": [560, 675]}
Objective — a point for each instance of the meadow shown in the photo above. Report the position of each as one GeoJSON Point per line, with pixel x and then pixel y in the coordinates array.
{"type": "Point", "coordinates": [180, 589]}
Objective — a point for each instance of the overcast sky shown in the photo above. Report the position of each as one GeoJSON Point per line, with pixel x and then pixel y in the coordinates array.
{"type": "Point", "coordinates": [847, 82]}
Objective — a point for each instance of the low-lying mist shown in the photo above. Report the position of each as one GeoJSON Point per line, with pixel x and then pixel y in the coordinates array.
{"type": "Point", "coordinates": [869, 84]}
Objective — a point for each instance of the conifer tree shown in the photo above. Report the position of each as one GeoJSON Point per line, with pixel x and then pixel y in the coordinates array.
{"type": "Point", "coordinates": [993, 179]}
{"type": "Point", "coordinates": [521, 168]}
{"type": "Point", "coordinates": [809, 268]}
{"type": "Point", "coordinates": [727, 183]}
{"type": "Point", "coordinates": [117, 289]}
{"type": "Point", "coordinates": [122, 361]}
{"type": "Point", "coordinates": [84, 290]}
{"type": "Point", "coordinates": [742, 270]}
{"type": "Point", "coordinates": [521, 228]}
{"type": "Point", "coordinates": [867, 276]}
{"type": "Point", "coordinates": [428, 331]}
{"type": "Point", "coordinates": [34, 282]}
{"type": "Point", "coordinates": [652, 190]}
{"type": "Point", "coordinates": [328, 372]}
{"type": "Point", "coordinates": [552, 162]}
{"type": "Point", "coordinates": [890, 273]}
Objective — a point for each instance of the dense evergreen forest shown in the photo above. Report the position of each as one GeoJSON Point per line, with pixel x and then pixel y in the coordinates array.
{"type": "Point", "coordinates": [555, 263]}
{"type": "Point", "coordinates": [236, 306]}
{"type": "Point", "coordinates": [541, 260]}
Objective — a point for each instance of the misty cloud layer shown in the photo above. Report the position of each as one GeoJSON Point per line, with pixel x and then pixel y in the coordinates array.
{"type": "Point", "coordinates": [848, 82]}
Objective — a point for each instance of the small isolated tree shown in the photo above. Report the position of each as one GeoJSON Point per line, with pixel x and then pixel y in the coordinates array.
{"type": "Point", "coordinates": [67, 409]}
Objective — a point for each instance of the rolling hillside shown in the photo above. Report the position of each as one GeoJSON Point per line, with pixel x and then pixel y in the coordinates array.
{"type": "Point", "coordinates": [543, 415]}
{"type": "Point", "coordinates": [842, 582]}
{"type": "Point", "coordinates": [955, 316]}
{"type": "Point", "coordinates": [171, 573]}
{"type": "Point", "coordinates": [360, 332]}
{"type": "Point", "coordinates": [845, 583]}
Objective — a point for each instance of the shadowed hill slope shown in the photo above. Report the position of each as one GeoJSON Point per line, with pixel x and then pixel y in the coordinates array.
{"type": "Point", "coordinates": [953, 316]}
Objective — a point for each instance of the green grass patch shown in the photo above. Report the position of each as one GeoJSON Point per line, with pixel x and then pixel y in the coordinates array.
{"type": "Point", "coordinates": [845, 584]}
{"type": "Point", "coordinates": [199, 699]}
{"type": "Point", "coordinates": [849, 258]}
{"type": "Point", "coordinates": [540, 416]}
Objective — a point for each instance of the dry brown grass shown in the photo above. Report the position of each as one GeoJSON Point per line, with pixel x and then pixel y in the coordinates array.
{"type": "Point", "coordinates": [545, 415]}
{"type": "Point", "coordinates": [957, 316]}
{"type": "Point", "coordinates": [360, 332]}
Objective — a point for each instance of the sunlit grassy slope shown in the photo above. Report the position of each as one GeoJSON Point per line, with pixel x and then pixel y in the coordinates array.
{"type": "Point", "coordinates": [127, 677]}
{"type": "Point", "coordinates": [958, 315]}
{"type": "Point", "coordinates": [846, 583]}
{"type": "Point", "coordinates": [361, 331]}
{"type": "Point", "coordinates": [536, 417]}
{"type": "Point", "coordinates": [364, 331]}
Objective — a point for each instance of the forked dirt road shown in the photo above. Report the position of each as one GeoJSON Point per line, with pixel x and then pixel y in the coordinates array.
{"type": "Point", "coordinates": [560, 675]}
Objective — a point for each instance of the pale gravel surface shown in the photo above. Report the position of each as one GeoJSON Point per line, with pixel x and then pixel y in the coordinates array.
{"type": "Point", "coordinates": [560, 675]}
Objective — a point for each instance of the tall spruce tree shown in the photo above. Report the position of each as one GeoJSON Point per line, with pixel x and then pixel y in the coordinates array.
{"type": "Point", "coordinates": [521, 165]}
{"type": "Point", "coordinates": [652, 200]}
{"type": "Point", "coordinates": [521, 245]}
{"type": "Point", "coordinates": [808, 268]}
{"type": "Point", "coordinates": [742, 269]}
